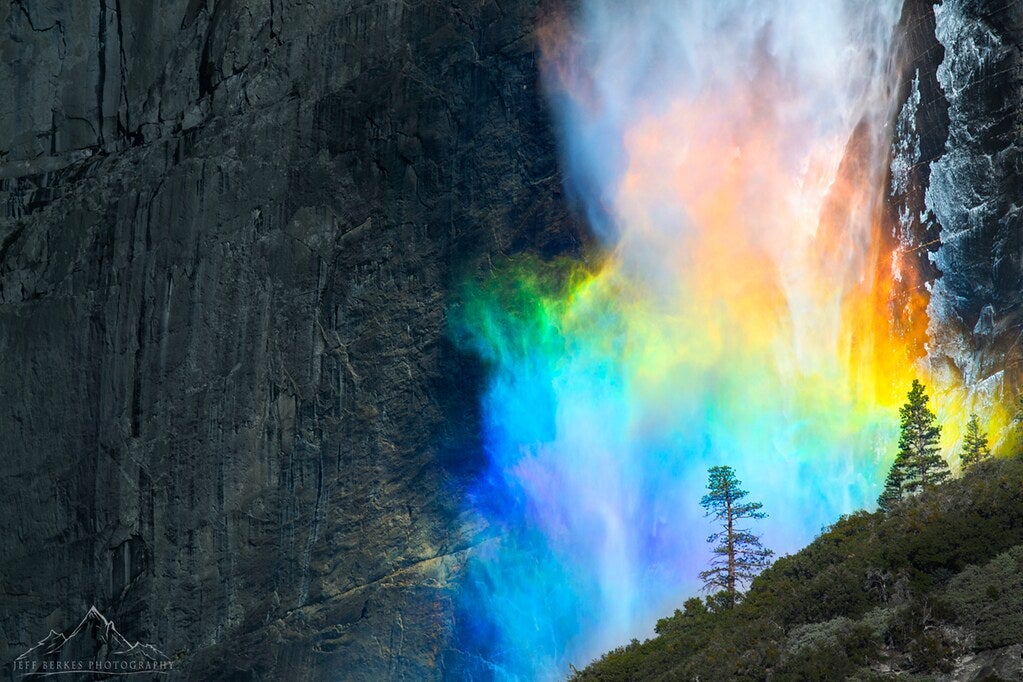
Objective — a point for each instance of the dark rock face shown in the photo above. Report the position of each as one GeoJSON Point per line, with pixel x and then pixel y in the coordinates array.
{"type": "Point", "coordinates": [230, 419]}
{"type": "Point", "coordinates": [962, 199]}
{"type": "Point", "coordinates": [918, 138]}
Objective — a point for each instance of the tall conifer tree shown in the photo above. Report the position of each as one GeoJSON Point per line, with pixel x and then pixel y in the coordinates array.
{"type": "Point", "coordinates": [918, 463]}
{"type": "Point", "coordinates": [975, 447]}
{"type": "Point", "coordinates": [918, 442]}
{"type": "Point", "coordinates": [738, 554]}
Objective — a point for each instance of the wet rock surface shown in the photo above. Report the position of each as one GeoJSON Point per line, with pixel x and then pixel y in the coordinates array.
{"type": "Point", "coordinates": [970, 170]}
{"type": "Point", "coordinates": [230, 416]}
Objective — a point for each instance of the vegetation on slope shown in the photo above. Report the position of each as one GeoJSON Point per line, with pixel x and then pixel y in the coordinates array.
{"type": "Point", "coordinates": [911, 592]}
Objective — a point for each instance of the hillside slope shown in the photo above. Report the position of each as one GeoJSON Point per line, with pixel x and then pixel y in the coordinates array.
{"type": "Point", "coordinates": [933, 590]}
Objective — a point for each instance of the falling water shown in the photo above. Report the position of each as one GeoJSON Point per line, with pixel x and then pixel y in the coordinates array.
{"type": "Point", "coordinates": [731, 158]}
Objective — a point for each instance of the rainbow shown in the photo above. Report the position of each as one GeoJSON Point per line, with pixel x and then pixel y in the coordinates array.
{"type": "Point", "coordinates": [748, 307]}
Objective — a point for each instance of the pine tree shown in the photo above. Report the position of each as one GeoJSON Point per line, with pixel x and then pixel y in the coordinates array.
{"type": "Point", "coordinates": [738, 554]}
{"type": "Point", "coordinates": [892, 492]}
{"type": "Point", "coordinates": [918, 463]}
{"type": "Point", "coordinates": [918, 443]}
{"type": "Point", "coordinates": [975, 447]}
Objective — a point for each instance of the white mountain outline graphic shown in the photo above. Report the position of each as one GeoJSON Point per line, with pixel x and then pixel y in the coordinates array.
{"type": "Point", "coordinates": [118, 645]}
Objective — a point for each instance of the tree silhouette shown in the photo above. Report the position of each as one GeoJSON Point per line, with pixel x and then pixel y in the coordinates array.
{"type": "Point", "coordinates": [892, 492]}
{"type": "Point", "coordinates": [738, 554]}
{"type": "Point", "coordinates": [918, 463]}
{"type": "Point", "coordinates": [975, 447]}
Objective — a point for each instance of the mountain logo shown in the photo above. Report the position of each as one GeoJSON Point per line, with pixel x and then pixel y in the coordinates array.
{"type": "Point", "coordinates": [94, 648]}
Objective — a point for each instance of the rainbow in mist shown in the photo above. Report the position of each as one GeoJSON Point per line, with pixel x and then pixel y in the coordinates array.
{"type": "Point", "coordinates": [731, 156]}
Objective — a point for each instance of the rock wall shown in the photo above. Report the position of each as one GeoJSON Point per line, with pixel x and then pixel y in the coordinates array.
{"type": "Point", "coordinates": [963, 85]}
{"type": "Point", "coordinates": [230, 417]}
{"type": "Point", "coordinates": [976, 194]}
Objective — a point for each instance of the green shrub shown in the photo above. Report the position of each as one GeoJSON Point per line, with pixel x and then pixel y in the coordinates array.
{"type": "Point", "coordinates": [988, 600]}
{"type": "Point", "coordinates": [873, 587]}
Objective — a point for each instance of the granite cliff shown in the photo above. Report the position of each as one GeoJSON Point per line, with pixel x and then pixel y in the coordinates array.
{"type": "Point", "coordinates": [230, 416]}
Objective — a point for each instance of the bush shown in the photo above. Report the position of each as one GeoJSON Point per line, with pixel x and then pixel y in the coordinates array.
{"type": "Point", "coordinates": [988, 600]}
{"type": "Point", "coordinates": [871, 588]}
{"type": "Point", "coordinates": [833, 650]}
